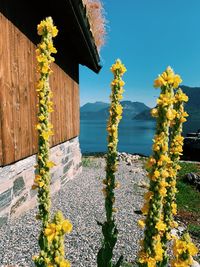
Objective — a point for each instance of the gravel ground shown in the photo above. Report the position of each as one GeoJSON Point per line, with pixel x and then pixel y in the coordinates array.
{"type": "Point", "coordinates": [81, 201]}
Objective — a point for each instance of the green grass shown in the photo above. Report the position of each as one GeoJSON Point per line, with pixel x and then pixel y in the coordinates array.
{"type": "Point", "coordinates": [194, 229]}
{"type": "Point", "coordinates": [86, 162]}
{"type": "Point", "coordinates": [187, 167]}
{"type": "Point", "coordinates": [126, 264]}
{"type": "Point", "coordinates": [188, 198]}
{"type": "Point", "coordinates": [90, 162]}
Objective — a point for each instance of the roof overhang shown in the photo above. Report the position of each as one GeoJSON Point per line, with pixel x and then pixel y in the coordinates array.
{"type": "Point", "coordinates": [74, 40]}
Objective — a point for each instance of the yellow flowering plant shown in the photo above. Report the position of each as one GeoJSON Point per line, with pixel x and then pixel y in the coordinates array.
{"type": "Point", "coordinates": [152, 251]}
{"type": "Point", "coordinates": [183, 251]}
{"type": "Point", "coordinates": [109, 229]}
{"type": "Point", "coordinates": [51, 239]}
{"type": "Point", "coordinates": [160, 201]}
{"type": "Point", "coordinates": [175, 150]}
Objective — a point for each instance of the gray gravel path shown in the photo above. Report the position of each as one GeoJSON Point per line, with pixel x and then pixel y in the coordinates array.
{"type": "Point", "coordinates": [82, 202]}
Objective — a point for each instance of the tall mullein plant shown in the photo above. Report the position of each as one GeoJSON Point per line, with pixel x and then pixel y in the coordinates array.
{"type": "Point", "coordinates": [51, 239]}
{"type": "Point", "coordinates": [183, 247]}
{"type": "Point", "coordinates": [109, 229]}
{"type": "Point", "coordinates": [151, 253]}
{"type": "Point", "coordinates": [175, 150]}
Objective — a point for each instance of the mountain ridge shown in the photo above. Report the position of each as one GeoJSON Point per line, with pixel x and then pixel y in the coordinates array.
{"type": "Point", "coordinates": [100, 110]}
{"type": "Point", "coordinates": [192, 107]}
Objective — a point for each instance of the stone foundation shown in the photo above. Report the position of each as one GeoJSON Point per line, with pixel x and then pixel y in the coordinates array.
{"type": "Point", "coordinates": [16, 195]}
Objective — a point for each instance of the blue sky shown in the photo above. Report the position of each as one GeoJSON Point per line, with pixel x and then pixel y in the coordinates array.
{"type": "Point", "coordinates": [147, 35]}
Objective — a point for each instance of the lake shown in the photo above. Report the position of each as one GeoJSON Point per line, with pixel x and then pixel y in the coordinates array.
{"type": "Point", "coordinates": [134, 136]}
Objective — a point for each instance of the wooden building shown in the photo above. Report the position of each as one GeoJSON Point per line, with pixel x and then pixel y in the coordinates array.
{"type": "Point", "coordinates": [18, 137]}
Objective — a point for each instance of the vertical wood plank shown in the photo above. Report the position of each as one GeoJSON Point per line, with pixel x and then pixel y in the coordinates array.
{"type": "Point", "coordinates": [2, 53]}
{"type": "Point", "coordinates": [8, 90]}
{"type": "Point", "coordinates": [18, 98]}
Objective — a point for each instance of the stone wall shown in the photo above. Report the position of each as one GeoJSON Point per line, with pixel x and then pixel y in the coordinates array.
{"type": "Point", "coordinates": [16, 195]}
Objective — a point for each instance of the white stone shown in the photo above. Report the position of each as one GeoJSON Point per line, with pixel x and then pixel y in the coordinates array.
{"type": "Point", "coordinates": [195, 264]}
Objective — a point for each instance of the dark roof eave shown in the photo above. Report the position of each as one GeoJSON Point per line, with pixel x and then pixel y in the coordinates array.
{"type": "Point", "coordinates": [83, 23]}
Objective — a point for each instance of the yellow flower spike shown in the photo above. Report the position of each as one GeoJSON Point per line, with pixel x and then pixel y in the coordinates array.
{"type": "Point", "coordinates": [115, 115]}
{"type": "Point", "coordinates": [118, 67]}
{"type": "Point", "coordinates": [160, 171]}
{"type": "Point", "coordinates": [52, 252]}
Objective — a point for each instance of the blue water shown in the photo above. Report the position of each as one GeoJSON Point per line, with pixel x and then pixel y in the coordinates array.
{"type": "Point", "coordinates": [134, 136]}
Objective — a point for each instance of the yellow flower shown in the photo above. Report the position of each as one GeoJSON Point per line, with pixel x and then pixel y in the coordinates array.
{"type": "Point", "coordinates": [64, 263]}
{"type": "Point", "coordinates": [163, 191]}
{"type": "Point", "coordinates": [46, 134]}
{"type": "Point", "coordinates": [50, 164]}
{"type": "Point", "coordinates": [159, 82]}
{"type": "Point", "coordinates": [151, 262]}
{"type": "Point", "coordinates": [161, 226]}
{"type": "Point", "coordinates": [154, 112]}
{"type": "Point", "coordinates": [45, 68]}
{"type": "Point", "coordinates": [151, 161]}
{"type": "Point", "coordinates": [156, 175]}
{"type": "Point", "coordinates": [41, 184]}
{"type": "Point", "coordinates": [174, 224]}
{"type": "Point", "coordinates": [119, 109]}
{"type": "Point", "coordinates": [47, 26]}
{"type": "Point", "coordinates": [57, 259]}
{"type": "Point", "coordinates": [67, 226]}
{"type": "Point", "coordinates": [145, 208]}
{"type": "Point", "coordinates": [174, 208]}
{"type": "Point", "coordinates": [159, 251]}
{"type": "Point", "coordinates": [117, 185]}
{"type": "Point", "coordinates": [51, 48]}
{"type": "Point", "coordinates": [179, 247]}
{"type": "Point", "coordinates": [177, 81]}
{"type": "Point", "coordinates": [141, 223]}
{"type": "Point", "coordinates": [181, 97]}
{"type": "Point", "coordinates": [148, 195]}
{"type": "Point", "coordinates": [171, 114]}
{"type": "Point", "coordinates": [118, 67]}
{"type": "Point", "coordinates": [42, 117]}
{"type": "Point", "coordinates": [38, 127]}
{"type": "Point", "coordinates": [168, 77]}
{"type": "Point", "coordinates": [42, 58]}
{"type": "Point", "coordinates": [164, 173]}
{"type": "Point", "coordinates": [50, 231]}
{"type": "Point", "coordinates": [192, 249]}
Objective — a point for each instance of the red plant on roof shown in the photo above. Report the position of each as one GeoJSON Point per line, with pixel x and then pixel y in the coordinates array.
{"type": "Point", "coordinates": [95, 13]}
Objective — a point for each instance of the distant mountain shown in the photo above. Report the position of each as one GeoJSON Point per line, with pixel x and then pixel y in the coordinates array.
{"type": "Point", "coordinates": [193, 94]}
{"type": "Point", "coordinates": [94, 107]}
{"type": "Point", "coordinates": [192, 107]}
{"type": "Point", "coordinates": [144, 115]}
{"type": "Point", "coordinates": [100, 110]}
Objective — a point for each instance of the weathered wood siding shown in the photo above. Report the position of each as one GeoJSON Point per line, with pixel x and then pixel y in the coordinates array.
{"type": "Point", "coordinates": [18, 99]}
